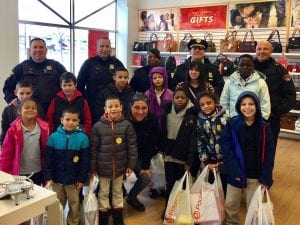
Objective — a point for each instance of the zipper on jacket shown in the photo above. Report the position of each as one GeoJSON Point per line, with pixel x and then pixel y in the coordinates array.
{"type": "Point", "coordinates": [113, 149]}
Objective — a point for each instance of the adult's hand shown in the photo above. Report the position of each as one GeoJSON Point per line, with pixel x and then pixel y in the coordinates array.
{"type": "Point", "coordinates": [148, 172]}
{"type": "Point", "coordinates": [14, 102]}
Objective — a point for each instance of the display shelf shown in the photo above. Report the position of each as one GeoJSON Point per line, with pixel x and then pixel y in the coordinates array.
{"type": "Point", "coordinates": [294, 111]}
{"type": "Point", "coordinates": [292, 134]}
{"type": "Point", "coordinates": [135, 66]}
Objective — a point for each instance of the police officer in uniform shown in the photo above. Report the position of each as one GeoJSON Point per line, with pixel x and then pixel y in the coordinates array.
{"type": "Point", "coordinates": [281, 86]}
{"type": "Point", "coordinates": [197, 49]}
{"type": "Point", "coordinates": [41, 72]}
{"type": "Point", "coordinates": [97, 72]}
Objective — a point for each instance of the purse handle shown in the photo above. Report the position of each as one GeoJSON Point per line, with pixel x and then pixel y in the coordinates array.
{"type": "Point", "coordinates": [246, 34]}
{"type": "Point", "coordinates": [295, 32]}
{"type": "Point", "coordinates": [187, 37]}
{"type": "Point", "coordinates": [168, 36]}
{"type": "Point", "coordinates": [275, 31]}
{"type": "Point", "coordinates": [153, 35]}
{"type": "Point", "coordinates": [221, 55]}
{"type": "Point", "coordinates": [209, 36]}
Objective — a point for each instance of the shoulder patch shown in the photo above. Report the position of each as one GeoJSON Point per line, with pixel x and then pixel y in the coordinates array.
{"type": "Point", "coordinates": [287, 77]}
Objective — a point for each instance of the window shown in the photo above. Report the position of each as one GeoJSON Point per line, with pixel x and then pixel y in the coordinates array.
{"type": "Point", "coordinates": [62, 28]}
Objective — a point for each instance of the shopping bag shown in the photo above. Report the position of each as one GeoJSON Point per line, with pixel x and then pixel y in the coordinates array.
{"type": "Point", "coordinates": [207, 200]}
{"type": "Point", "coordinates": [179, 205]}
{"type": "Point", "coordinates": [90, 204]}
{"type": "Point", "coordinates": [260, 212]}
{"type": "Point", "coordinates": [158, 172]}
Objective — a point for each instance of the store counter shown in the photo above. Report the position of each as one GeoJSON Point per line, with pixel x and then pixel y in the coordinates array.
{"type": "Point", "coordinates": [41, 200]}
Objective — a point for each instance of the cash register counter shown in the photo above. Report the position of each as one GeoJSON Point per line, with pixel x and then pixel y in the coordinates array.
{"type": "Point", "coordinates": [41, 200]}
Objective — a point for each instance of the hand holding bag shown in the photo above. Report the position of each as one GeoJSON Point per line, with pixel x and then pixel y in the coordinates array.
{"type": "Point", "coordinates": [157, 167]}
{"type": "Point", "coordinates": [248, 46]}
{"type": "Point", "coordinates": [90, 204]}
{"type": "Point", "coordinates": [208, 37]}
{"type": "Point", "coordinates": [230, 43]}
{"type": "Point", "coordinates": [276, 45]}
{"type": "Point", "coordinates": [168, 44]}
{"type": "Point", "coordinates": [184, 42]}
{"type": "Point", "coordinates": [294, 42]}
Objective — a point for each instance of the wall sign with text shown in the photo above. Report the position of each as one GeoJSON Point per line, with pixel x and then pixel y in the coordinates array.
{"type": "Point", "coordinates": [208, 17]}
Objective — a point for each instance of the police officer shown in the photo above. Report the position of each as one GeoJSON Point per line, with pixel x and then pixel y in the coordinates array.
{"type": "Point", "coordinates": [97, 72]}
{"type": "Point", "coordinates": [41, 72]}
{"type": "Point", "coordinates": [281, 86]}
{"type": "Point", "coordinates": [197, 49]}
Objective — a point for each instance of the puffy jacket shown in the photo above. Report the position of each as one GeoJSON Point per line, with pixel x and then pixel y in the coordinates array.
{"type": "Point", "coordinates": [235, 85]}
{"type": "Point", "coordinates": [113, 147]}
{"type": "Point", "coordinates": [13, 144]}
{"type": "Point", "coordinates": [60, 103]}
{"type": "Point", "coordinates": [67, 157]}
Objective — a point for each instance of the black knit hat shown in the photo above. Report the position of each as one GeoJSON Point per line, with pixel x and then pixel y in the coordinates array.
{"type": "Point", "coordinates": [155, 52]}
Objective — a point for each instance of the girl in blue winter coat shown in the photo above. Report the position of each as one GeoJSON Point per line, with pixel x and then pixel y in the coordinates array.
{"type": "Point", "coordinates": [248, 151]}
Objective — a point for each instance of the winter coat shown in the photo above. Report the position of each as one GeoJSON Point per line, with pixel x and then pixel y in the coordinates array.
{"type": "Point", "coordinates": [209, 129]}
{"type": "Point", "coordinates": [233, 137]}
{"type": "Point", "coordinates": [184, 147]}
{"type": "Point", "coordinates": [67, 157]}
{"type": "Point", "coordinates": [113, 147]}
{"type": "Point", "coordinates": [125, 97]}
{"type": "Point", "coordinates": [235, 85]}
{"type": "Point", "coordinates": [13, 144]}
{"type": "Point", "coordinates": [60, 103]}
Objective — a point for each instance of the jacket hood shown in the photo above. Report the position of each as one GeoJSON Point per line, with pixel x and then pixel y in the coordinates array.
{"type": "Point", "coordinates": [220, 110]}
{"type": "Point", "coordinates": [78, 129]}
{"type": "Point", "coordinates": [75, 95]}
{"type": "Point", "coordinates": [235, 77]}
{"type": "Point", "coordinates": [252, 95]}
{"type": "Point", "coordinates": [163, 72]}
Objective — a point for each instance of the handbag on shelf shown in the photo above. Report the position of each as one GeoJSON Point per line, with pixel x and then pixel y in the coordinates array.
{"type": "Point", "coordinates": [276, 45]}
{"type": "Point", "coordinates": [287, 121]}
{"type": "Point", "coordinates": [294, 42]}
{"type": "Point", "coordinates": [211, 46]}
{"type": "Point", "coordinates": [230, 43]}
{"type": "Point", "coordinates": [225, 65]}
{"type": "Point", "coordinates": [295, 68]}
{"type": "Point", "coordinates": [167, 44]}
{"type": "Point", "coordinates": [152, 43]}
{"type": "Point", "coordinates": [248, 46]}
{"type": "Point", "coordinates": [184, 42]}
{"type": "Point", "coordinates": [138, 46]}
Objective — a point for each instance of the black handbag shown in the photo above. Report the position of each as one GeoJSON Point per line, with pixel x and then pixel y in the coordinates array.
{"type": "Point", "coordinates": [211, 46]}
{"type": "Point", "coordinates": [152, 43]}
{"type": "Point", "coordinates": [248, 46]}
{"type": "Point", "coordinates": [184, 42]}
{"type": "Point", "coordinates": [170, 64]}
{"type": "Point", "coordinates": [226, 66]}
{"type": "Point", "coordinates": [294, 42]}
{"type": "Point", "coordinates": [276, 45]}
{"type": "Point", "coordinates": [138, 46]}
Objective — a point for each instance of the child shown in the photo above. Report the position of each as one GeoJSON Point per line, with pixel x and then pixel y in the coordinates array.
{"type": "Point", "coordinates": [179, 138]}
{"type": "Point", "coordinates": [67, 162]}
{"type": "Point", "coordinates": [246, 79]}
{"type": "Point", "coordinates": [158, 94]}
{"type": "Point", "coordinates": [119, 88]}
{"type": "Point", "coordinates": [114, 153]}
{"type": "Point", "coordinates": [24, 144]}
{"type": "Point", "coordinates": [68, 97]}
{"type": "Point", "coordinates": [248, 150]}
{"type": "Point", "coordinates": [211, 121]}
{"type": "Point", "coordinates": [23, 91]}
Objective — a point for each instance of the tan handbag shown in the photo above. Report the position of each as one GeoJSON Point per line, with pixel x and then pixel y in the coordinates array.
{"type": "Point", "coordinates": [168, 44]}
{"type": "Point", "coordinates": [230, 43]}
{"type": "Point", "coordinates": [287, 121]}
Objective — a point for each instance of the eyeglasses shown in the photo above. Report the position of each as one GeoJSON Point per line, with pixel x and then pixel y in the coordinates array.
{"type": "Point", "coordinates": [197, 48]}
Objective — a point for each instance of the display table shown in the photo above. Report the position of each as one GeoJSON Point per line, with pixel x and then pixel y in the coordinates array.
{"type": "Point", "coordinates": [41, 200]}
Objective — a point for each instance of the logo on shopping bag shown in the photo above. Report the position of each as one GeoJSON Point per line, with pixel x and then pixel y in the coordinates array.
{"type": "Point", "coordinates": [170, 216]}
{"type": "Point", "coordinates": [196, 211]}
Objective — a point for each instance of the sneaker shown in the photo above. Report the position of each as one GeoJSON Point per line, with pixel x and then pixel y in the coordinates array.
{"type": "Point", "coordinates": [136, 204]}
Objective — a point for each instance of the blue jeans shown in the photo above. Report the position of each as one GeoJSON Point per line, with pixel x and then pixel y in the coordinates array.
{"type": "Point", "coordinates": [142, 182]}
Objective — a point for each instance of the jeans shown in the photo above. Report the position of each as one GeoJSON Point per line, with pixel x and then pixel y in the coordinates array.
{"type": "Point", "coordinates": [142, 182]}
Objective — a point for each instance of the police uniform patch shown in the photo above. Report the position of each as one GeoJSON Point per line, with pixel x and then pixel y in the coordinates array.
{"type": "Point", "coordinates": [111, 66]}
{"type": "Point", "coordinates": [287, 77]}
{"type": "Point", "coordinates": [75, 159]}
{"type": "Point", "coordinates": [49, 68]}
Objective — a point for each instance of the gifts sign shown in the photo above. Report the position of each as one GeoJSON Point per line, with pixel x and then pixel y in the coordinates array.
{"type": "Point", "coordinates": [209, 17]}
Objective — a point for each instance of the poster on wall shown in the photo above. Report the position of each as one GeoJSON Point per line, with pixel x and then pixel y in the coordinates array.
{"type": "Point", "coordinates": [258, 14]}
{"type": "Point", "coordinates": [207, 17]}
{"type": "Point", "coordinates": [158, 19]}
{"type": "Point", "coordinates": [295, 21]}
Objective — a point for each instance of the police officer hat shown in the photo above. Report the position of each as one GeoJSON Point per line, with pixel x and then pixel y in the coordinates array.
{"type": "Point", "coordinates": [197, 43]}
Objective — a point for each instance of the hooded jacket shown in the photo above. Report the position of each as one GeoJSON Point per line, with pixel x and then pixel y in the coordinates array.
{"type": "Point", "coordinates": [209, 129]}
{"type": "Point", "coordinates": [232, 140]}
{"type": "Point", "coordinates": [13, 144]}
{"type": "Point", "coordinates": [67, 157]}
{"type": "Point", "coordinates": [166, 96]}
{"type": "Point", "coordinates": [235, 85]}
{"type": "Point", "coordinates": [60, 103]}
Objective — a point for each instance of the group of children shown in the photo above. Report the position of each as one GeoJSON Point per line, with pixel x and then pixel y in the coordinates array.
{"type": "Point", "coordinates": [192, 126]}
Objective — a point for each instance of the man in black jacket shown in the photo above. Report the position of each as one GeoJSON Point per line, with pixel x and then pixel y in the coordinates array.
{"type": "Point", "coordinates": [281, 86]}
{"type": "Point", "coordinates": [197, 49]}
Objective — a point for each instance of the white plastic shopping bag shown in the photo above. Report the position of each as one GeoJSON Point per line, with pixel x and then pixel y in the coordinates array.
{"type": "Point", "coordinates": [179, 205]}
{"type": "Point", "coordinates": [260, 212]}
{"type": "Point", "coordinates": [90, 204]}
{"type": "Point", "coordinates": [207, 200]}
{"type": "Point", "coordinates": [157, 167]}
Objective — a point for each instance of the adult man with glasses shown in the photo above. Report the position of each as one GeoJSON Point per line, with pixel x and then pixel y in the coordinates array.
{"type": "Point", "coordinates": [197, 49]}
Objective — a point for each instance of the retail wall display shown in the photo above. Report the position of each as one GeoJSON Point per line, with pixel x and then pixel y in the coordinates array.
{"type": "Point", "coordinates": [158, 19]}
{"type": "Point", "coordinates": [183, 43]}
{"type": "Point", "coordinates": [230, 43]}
{"type": "Point", "coordinates": [248, 44]}
{"type": "Point", "coordinates": [208, 37]}
{"type": "Point", "coordinates": [203, 18]}
{"type": "Point", "coordinates": [258, 14]}
{"type": "Point", "coordinates": [294, 42]}
{"type": "Point", "coordinates": [167, 44]}
{"type": "Point", "coordinates": [274, 39]}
